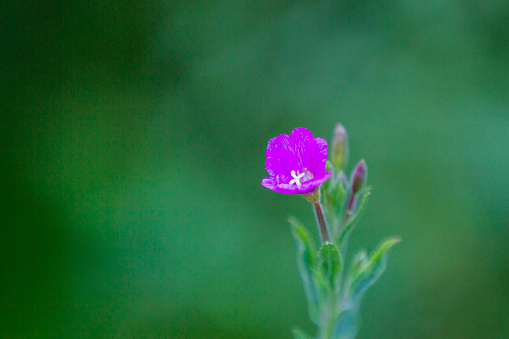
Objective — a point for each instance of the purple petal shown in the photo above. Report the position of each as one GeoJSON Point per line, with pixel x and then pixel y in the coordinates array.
{"type": "Point", "coordinates": [302, 142]}
{"type": "Point", "coordinates": [279, 143]}
{"type": "Point", "coordinates": [302, 134]}
{"type": "Point", "coordinates": [320, 156]}
{"type": "Point", "coordinates": [269, 183]}
{"type": "Point", "coordinates": [312, 152]}
{"type": "Point", "coordinates": [310, 185]}
{"type": "Point", "coordinates": [282, 163]}
{"type": "Point", "coordinates": [306, 187]}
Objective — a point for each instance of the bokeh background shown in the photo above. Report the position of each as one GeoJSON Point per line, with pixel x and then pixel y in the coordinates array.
{"type": "Point", "coordinates": [133, 140]}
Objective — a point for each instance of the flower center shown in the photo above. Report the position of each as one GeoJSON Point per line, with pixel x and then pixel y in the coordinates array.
{"type": "Point", "coordinates": [296, 178]}
{"type": "Point", "coordinates": [299, 178]}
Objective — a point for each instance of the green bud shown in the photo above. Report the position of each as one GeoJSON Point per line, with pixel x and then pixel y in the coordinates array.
{"type": "Point", "coordinates": [359, 177]}
{"type": "Point", "coordinates": [339, 150]}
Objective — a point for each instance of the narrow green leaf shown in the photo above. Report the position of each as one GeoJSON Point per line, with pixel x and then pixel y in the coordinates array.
{"type": "Point", "coordinates": [330, 264]}
{"type": "Point", "coordinates": [364, 196]}
{"type": "Point", "coordinates": [367, 272]}
{"type": "Point", "coordinates": [364, 271]}
{"type": "Point", "coordinates": [306, 263]}
{"type": "Point", "coordinates": [300, 334]}
{"type": "Point", "coordinates": [383, 249]}
{"type": "Point", "coordinates": [359, 262]}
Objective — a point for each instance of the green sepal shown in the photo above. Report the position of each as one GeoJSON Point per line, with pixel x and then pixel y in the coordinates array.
{"type": "Point", "coordinates": [300, 334]}
{"type": "Point", "coordinates": [330, 264]}
{"type": "Point", "coordinates": [306, 263]}
{"type": "Point", "coordinates": [354, 219]}
{"type": "Point", "coordinates": [365, 271]}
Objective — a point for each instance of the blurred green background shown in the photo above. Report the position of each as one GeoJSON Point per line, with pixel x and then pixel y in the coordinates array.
{"type": "Point", "coordinates": [133, 140]}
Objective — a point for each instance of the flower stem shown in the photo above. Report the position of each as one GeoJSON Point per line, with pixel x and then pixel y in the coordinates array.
{"type": "Point", "coordinates": [322, 223]}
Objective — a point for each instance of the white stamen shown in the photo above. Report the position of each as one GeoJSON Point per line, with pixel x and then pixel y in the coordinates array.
{"type": "Point", "coordinates": [296, 178]}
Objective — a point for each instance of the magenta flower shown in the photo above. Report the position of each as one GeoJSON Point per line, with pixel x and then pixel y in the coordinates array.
{"type": "Point", "coordinates": [296, 163]}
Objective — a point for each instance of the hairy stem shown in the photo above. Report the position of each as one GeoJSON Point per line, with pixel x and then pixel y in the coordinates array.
{"type": "Point", "coordinates": [322, 223]}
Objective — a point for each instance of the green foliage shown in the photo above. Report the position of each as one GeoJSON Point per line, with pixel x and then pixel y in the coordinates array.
{"type": "Point", "coordinates": [329, 264]}
{"type": "Point", "coordinates": [334, 297]}
{"type": "Point", "coordinates": [352, 217]}
{"type": "Point", "coordinates": [365, 271]}
{"type": "Point", "coordinates": [333, 306]}
{"type": "Point", "coordinates": [306, 259]}
{"type": "Point", "coordinates": [334, 194]}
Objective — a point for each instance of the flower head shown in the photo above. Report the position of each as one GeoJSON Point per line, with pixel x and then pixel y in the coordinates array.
{"type": "Point", "coordinates": [296, 163]}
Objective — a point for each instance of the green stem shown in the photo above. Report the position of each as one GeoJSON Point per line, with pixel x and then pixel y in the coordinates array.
{"type": "Point", "coordinates": [322, 223]}
{"type": "Point", "coordinates": [327, 327]}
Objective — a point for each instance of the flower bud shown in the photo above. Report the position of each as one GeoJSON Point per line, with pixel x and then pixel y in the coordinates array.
{"type": "Point", "coordinates": [340, 150]}
{"type": "Point", "coordinates": [359, 177]}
